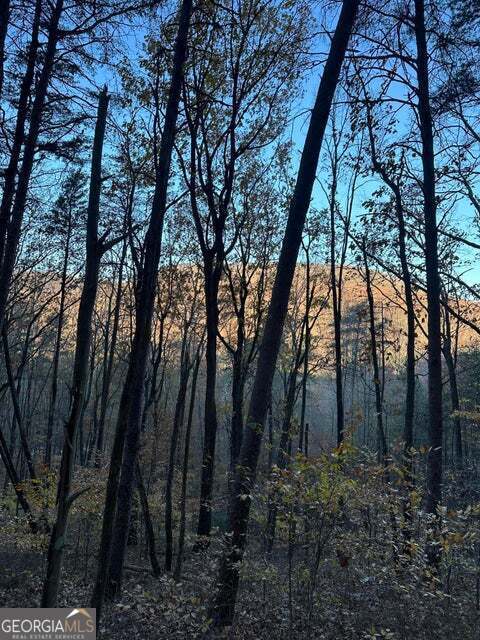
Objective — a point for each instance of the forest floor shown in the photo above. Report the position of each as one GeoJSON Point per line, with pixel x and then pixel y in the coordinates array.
{"type": "Point", "coordinates": [365, 600]}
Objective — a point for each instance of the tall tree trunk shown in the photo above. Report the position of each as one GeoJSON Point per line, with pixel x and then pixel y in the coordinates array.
{"type": "Point", "coordinates": [238, 388]}
{"type": "Point", "coordinates": [212, 280]}
{"type": "Point", "coordinates": [410, 367]}
{"type": "Point", "coordinates": [379, 168]}
{"type": "Point", "coordinates": [108, 366]}
{"type": "Point", "coordinates": [15, 390]}
{"type": "Point", "coordinates": [80, 452]}
{"type": "Point", "coordinates": [306, 355]}
{"type": "Point", "coordinates": [454, 395]}
{"type": "Point", "coordinates": [186, 459]}
{"type": "Point", "coordinates": [270, 438]}
{"type": "Point", "coordinates": [177, 424]}
{"type": "Point", "coordinates": [9, 252]}
{"type": "Point", "coordinates": [435, 425]}
{"type": "Point", "coordinates": [337, 318]}
{"type": "Point", "coordinates": [65, 496]}
{"type": "Point", "coordinates": [381, 439]}
{"type": "Point", "coordinates": [19, 133]}
{"type": "Point", "coordinates": [303, 405]}
{"type": "Point", "coordinates": [409, 414]}
{"type": "Point", "coordinates": [119, 489]}
{"type": "Point", "coordinates": [154, 388]}
{"type": "Point", "coordinates": [282, 453]}
{"type": "Point", "coordinates": [56, 354]}
{"type": "Point", "coordinates": [455, 406]}
{"type": "Point", "coordinates": [224, 603]}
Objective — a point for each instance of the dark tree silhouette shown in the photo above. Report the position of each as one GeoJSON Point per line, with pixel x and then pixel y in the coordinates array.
{"type": "Point", "coordinates": [95, 247]}
{"type": "Point", "coordinates": [223, 606]}
{"type": "Point", "coordinates": [116, 515]}
{"type": "Point", "coordinates": [435, 428]}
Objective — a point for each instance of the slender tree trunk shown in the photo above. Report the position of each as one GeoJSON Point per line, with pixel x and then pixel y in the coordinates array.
{"type": "Point", "coordinates": [17, 388]}
{"type": "Point", "coordinates": [223, 607]}
{"type": "Point", "coordinates": [337, 319]}
{"type": "Point", "coordinates": [381, 439]}
{"type": "Point", "coordinates": [107, 378]}
{"type": "Point", "coordinates": [303, 406]}
{"type": "Point", "coordinates": [455, 406]}
{"type": "Point", "coordinates": [56, 354]}
{"type": "Point", "coordinates": [306, 356]}
{"type": "Point", "coordinates": [212, 279]}
{"type": "Point", "coordinates": [80, 452]}
{"type": "Point", "coordinates": [282, 454]}
{"type": "Point", "coordinates": [435, 426]}
{"type": "Point", "coordinates": [17, 210]}
{"type": "Point", "coordinates": [119, 487]}
{"type": "Point", "coordinates": [410, 355]}
{"type": "Point", "coordinates": [17, 409]}
{"type": "Point", "coordinates": [19, 133]}
{"type": "Point", "coordinates": [16, 391]}
{"type": "Point", "coordinates": [177, 425]}
{"type": "Point", "coordinates": [154, 389]}
{"type": "Point", "coordinates": [409, 302]}
{"type": "Point", "coordinates": [270, 438]}
{"type": "Point", "coordinates": [410, 368]}
{"type": "Point", "coordinates": [99, 396]}
{"type": "Point", "coordinates": [238, 387]}
{"type": "Point", "coordinates": [186, 459]}
{"type": "Point", "coordinates": [454, 395]}
{"type": "Point", "coordinates": [65, 496]}
{"type": "Point", "coordinates": [147, 518]}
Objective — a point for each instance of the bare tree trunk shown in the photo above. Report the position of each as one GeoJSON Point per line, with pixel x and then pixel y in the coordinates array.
{"type": "Point", "coordinates": [65, 497]}
{"type": "Point", "coordinates": [270, 438]}
{"type": "Point", "coordinates": [410, 368]}
{"type": "Point", "coordinates": [56, 354]}
{"type": "Point", "coordinates": [14, 218]}
{"type": "Point", "coordinates": [306, 356]}
{"type": "Point", "coordinates": [337, 318]}
{"type": "Point", "coordinates": [223, 606]}
{"type": "Point", "coordinates": [107, 377]}
{"type": "Point", "coordinates": [80, 452]}
{"type": "Point", "coordinates": [212, 279]}
{"type": "Point", "coordinates": [283, 452]}
{"type": "Point", "coordinates": [119, 487]}
{"type": "Point", "coordinates": [177, 424]}
{"type": "Point", "coordinates": [186, 458]}
{"type": "Point", "coordinates": [238, 388]}
{"type": "Point", "coordinates": [381, 439]}
{"type": "Point", "coordinates": [408, 439]}
{"type": "Point", "coordinates": [16, 408]}
{"type": "Point", "coordinates": [19, 133]}
{"type": "Point", "coordinates": [435, 428]}
{"type": "Point", "coordinates": [454, 395]}
{"type": "Point", "coordinates": [17, 388]}
{"type": "Point", "coordinates": [408, 292]}
{"type": "Point", "coordinates": [148, 523]}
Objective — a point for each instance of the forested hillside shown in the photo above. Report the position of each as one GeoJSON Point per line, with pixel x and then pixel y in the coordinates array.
{"type": "Point", "coordinates": [240, 316]}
